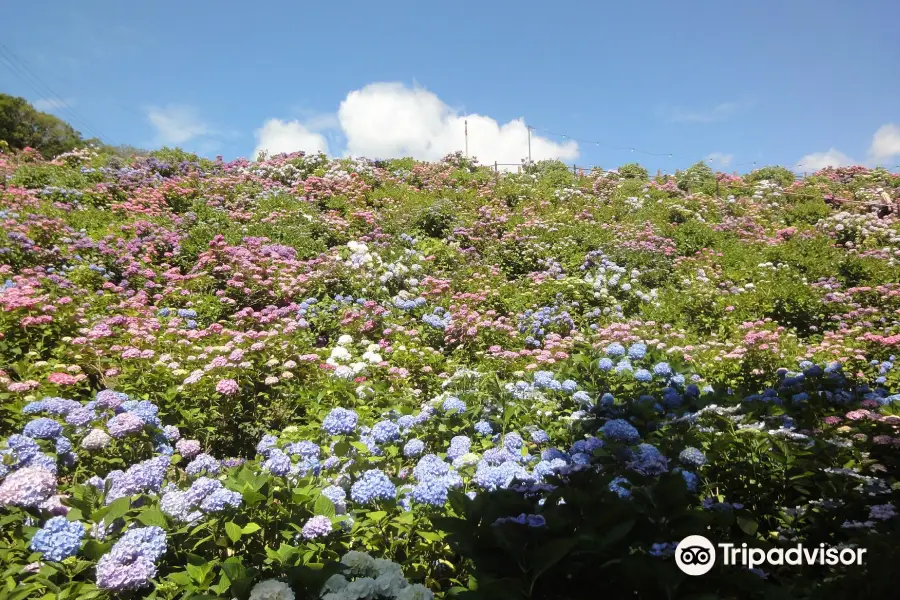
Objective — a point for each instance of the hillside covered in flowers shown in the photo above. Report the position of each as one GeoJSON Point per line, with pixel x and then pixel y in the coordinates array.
{"type": "Point", "coordinates": [305, 377]}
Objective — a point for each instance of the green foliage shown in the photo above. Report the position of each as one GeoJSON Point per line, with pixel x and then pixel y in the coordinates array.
{"type": "Point", "coordinates": [21, 126]}
{"type": "Point", "coordinates": [633, 171]}
{"type": "Point", "coordinates": [695, 177]}
{"type": "Point", "coordinates": [780, 175]}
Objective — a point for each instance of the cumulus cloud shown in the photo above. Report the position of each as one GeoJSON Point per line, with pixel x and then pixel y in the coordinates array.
{"type": "Point", "coordinates": [277, 136]}
{"type": "Point", "coordinates": [720, 158]}
{"type": "Point", "coordinates": [391, 120]}
{"type": "Point", "coordinates": [885, 143]}
{"type": "Point", "coordinates": [385, 120]}
{"type": "Point", "coordinates": [177, 124]}
{"type": "Point", "coordinates": [820, 160]}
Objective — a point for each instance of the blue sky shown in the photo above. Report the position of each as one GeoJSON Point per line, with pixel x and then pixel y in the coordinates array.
{"type": "Point", "coordinates": [771, 82]}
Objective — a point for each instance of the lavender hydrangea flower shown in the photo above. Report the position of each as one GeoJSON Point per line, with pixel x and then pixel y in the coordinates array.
{"type": "Point", "coordinates": [42, 429]}
{"type": "Point", "coordinates": [58, 539]}
{"type": "Point", "coordinates": [28, 487]}
{"type": "Point", "coordinates": [318, 526]}
{"type": "Point", "coordinates": [374, 485]}
{"type": "Point", "coordinates": [124, 424]}
{"type": "Point", "coordinates": [80, 417]}
{"type": "Point", "coordinates": [340, 421]}
{"type": "Point", "coordinates": [110, 399]}
{"type": "Point", "coordinates": [203, 463]}
{"type": "Point", "coordinates": [143, 477]}
{"type": "Point", "coordinates": [278, 463]}
{"type": "Point", "coordinates": [131, 563]}
{"type": "Point", "coordinates": [188, 448]}
{"type": "Point", "coordinates": [171, 432]}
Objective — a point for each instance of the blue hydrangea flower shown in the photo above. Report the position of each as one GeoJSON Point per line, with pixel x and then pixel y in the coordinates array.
{"type": "Point", "coordinates": [413, 448]}
{"type": "Point", "coordinates": [58, 539]}
{"type": "Point", "coordinates": [431, 491]}
{"type": "Point", "coordinates": [643, 375]}
{"type": "Point", "coordinates": [373, 486]}
{"type": "Point", "coordinates": [649, 461]}
{"type": "Point", "coordinates": [278, 463]}
{"type": "Point", "coordinates": [539, 436]}
{"type": "Point", "coordinates": [266, 444]}
{"type": "Point", "coordinates": [304, 448]}
{"type": "Point", "coordinates": [569, 386]}
{"type": "Point", "coordinates": [616, 486]}
{"type": "Point", "coordinates": [42, 429]}
{"type": "Point", "coordinates": [620, 430]}
{"type": "Point", "coordinates": [637, 351]}
{"type": "Point", "coordinates": [340, 421]}
{"type": "Point", "coordinates": [692, 457]}
{"type": "Point", "coordinates": [582, 398]}
{"type": "Point", "coordinates": [459, 445]}
{"type": "Point", "coordinates": [453, 405]}
{"type": "Point", "coordinates": [615, 349]}
{"type": "Point", "coordinates": [483, 428]}
{"type": "Point", "coordinates": [385, 431]}
{"type": "Point", "coordinates": [662, 369]}
{"type": "Point", "coordinates": [605, 364]}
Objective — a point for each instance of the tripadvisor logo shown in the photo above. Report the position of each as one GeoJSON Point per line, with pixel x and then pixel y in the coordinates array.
{"type": "Point", "coordinates": [696, 555]}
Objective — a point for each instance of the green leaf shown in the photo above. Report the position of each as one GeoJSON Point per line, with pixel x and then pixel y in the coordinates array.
{"type": "Point", "coordinates": [360, 446]}
{"type": "Point", "coordinates": [250, 528]}
{"type": "Point", "coordinates": [341, 448]}
{"type": "Point", "coordinates": [324, 506]}
{"type": "Point", "coordinates": [376, 515]}
{"type": "Point", "coordinates": [117, 509]}
{"type": "Point", "coordinates": [430, 536]}
{"type": "Point", "coordinates": [94, 550]}
{"type": "Point", "coordinates": [233, 530]}
{"type": "Point", "coordinates": [234, 568]}
{"type": "Point", "coordinates": [180, 578]}
{"type": "Point", "coordinates": [748, 526]}
{"type": "Point", "coordinates": [548, 554]}
{"type": "Point", "coordinates": [153, 516]}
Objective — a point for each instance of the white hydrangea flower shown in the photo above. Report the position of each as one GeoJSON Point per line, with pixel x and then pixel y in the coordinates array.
{"type": "Point", "coordinates": [344, 340]}
{"type": "Point", "coordinates": [360, 563]}
{"type": "Point", "coordinates": [415, 591]}
{"type": "Point", "coordinates": [271, 589]}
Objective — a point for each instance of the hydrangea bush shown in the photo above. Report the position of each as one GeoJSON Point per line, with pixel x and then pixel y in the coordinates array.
{"type": "Point", "coordinates": [311, 378]}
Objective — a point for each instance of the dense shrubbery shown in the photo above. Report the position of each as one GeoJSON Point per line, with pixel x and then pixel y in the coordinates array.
{"type": "Point", "coordinates": [233, 380]}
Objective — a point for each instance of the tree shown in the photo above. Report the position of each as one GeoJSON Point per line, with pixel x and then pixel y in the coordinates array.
{"type": "Point", "coordinates": [22, 126]}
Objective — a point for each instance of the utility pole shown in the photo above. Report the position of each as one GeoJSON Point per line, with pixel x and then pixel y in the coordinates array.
{"type": "Point", "coordinates": [528, 127]}
{"type": "Point", "coordinates": [467, 137]}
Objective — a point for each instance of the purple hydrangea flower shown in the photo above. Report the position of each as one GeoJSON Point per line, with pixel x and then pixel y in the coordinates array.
{"type": "Point", "coordinates": [188, 448]}
{"type": "Point", "coordinates": [318, 526]}
{"type": "Point", "coordinates": [124, 424]}
{"type": "Point", "coordinates": [203, 463]}
{"type": "Point", "coordinates": [28, 487]}
{"type": "Point", "coordinates": [131, 563]}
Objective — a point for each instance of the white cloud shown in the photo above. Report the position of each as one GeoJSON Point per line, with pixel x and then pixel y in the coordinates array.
{"type": "Point", "coordinates": [391, 120]}
{"type": "Point", "coordinates": [719, 112]}
{"type": "Point", "coordinates": [718, 157]}
{"type": "Point", "coordinates": [177, 124]}
{"type": "Point", "coordinates": [885, 143]}
{"type": "Point", "coordinates": [820, 160]}
{"type": "Point", "coordinates": [387, 120]}
{"type": "Point", "coordinates": [277, 136]}
{"type": "Point", "coordinates": [49, 104]}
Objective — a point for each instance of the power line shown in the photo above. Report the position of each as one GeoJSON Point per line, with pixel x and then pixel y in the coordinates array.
{"type": "Point", "coordinates": [23, 71]}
